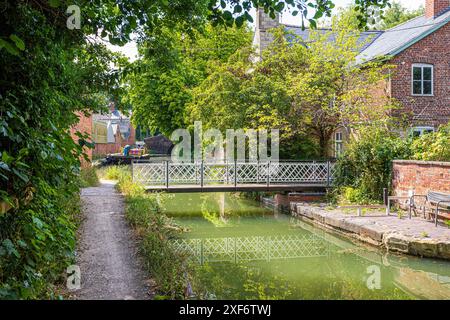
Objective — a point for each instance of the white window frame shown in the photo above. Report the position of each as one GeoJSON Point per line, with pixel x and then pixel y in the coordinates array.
{"type": "Point", "coordinates": [340, 142]}
{"type": "Point", "coordinates": [422, 129]}
{"type": "Point", "coordinates": [422, 65]}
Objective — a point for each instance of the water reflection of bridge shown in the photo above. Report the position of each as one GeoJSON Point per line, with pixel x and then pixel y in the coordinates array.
{"type": "Point", "coordinates": [236, 249]}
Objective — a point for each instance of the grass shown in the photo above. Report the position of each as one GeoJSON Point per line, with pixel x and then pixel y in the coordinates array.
{"type": "Point", "coordinates": [88, 177]}
{"type": "Point", "coordinates": [115, 173]}
{"type": "Point", "coordinates": [170, 270]}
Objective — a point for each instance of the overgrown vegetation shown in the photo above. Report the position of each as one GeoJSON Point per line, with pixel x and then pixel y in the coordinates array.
{"type": "Point", "coordinates": [366, 166]}
{"type": "Point", "coordinates": [88, 177]}
{"type": "Point", "coordinates": [433, 146]}
{"type": "Point", "coordinates": [47, 76]}
{"type": "Point", "coordinates": [37, 243]}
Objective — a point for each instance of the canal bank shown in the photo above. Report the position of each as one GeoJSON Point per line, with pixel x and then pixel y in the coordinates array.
{"type": "Point", "coordinates": [408, 236]}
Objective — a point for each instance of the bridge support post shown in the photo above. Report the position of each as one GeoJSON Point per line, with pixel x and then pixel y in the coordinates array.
{"type": "Point", "coordinates": [257, 172]}
{"type": "Point", "coordinates": [227, 172]}
{"type": "Point", "coordinates": [235, 173]}
{"type": "Point", "coordinates": [167, 174]}
{"type": "Point", "coordinates": [328, 173]}
{"type": "Point", "coordinates": [268, 174]}
{"type": "Point", "coordinates": [201, 174]}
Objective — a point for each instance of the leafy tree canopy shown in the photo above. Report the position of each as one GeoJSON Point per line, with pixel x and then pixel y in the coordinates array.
{"type": "Point", "coordinates": [396, 15]}
{"type": "Point", "coordinates": [172, 65]}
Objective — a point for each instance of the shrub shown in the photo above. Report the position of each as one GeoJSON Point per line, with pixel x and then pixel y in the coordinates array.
{"type": "Point", "coordinates": [88, 177]}
{"type": "Point", "coordinates": [366, 165]}
{"type": "Point", "coordinates": [114, 172]}
{"type": "Point", "coordinates": [433, 146]}
{"type": "Point", "coordinates": [37, 244]}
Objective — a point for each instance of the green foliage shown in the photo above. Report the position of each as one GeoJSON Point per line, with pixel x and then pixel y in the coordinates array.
{"type": "Point", "coordinates": [396, 15]}
{"type": "Point", "coordinates": [366, 166]}
{"type": "Point", "coordinates": [230, 12]}
{"type": "Point", "coordinates": [37, 244]}
{"type": "Point", "coordinates": [350, 195]}
{"type": "Point", "coordinates": [115, 172]}
{"type": "Point", "coordinates": [173, 64]}
{"type": "Point", "coordinates": [88, 177]}
{"type": "Point", "coordinates": [42, 88]}
{"type": "Point", "coordinates": [433, 146]}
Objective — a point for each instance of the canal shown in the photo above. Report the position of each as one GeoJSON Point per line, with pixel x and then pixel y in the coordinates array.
{"type": "Point", "coordinates": [245, 251]}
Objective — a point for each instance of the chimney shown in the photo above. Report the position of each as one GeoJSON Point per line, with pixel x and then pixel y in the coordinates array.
{"type": "Point", "coordinates": [434, 8]}
{"type": "Point", "coordinates": [263, 24]}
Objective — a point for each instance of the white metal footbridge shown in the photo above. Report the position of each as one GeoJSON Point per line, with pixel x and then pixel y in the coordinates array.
{"type": "Point", "coordinates": [235, 176]}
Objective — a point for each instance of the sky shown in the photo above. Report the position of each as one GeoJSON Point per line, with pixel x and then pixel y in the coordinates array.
{"type": "Point", "coordinates": [130, 49]}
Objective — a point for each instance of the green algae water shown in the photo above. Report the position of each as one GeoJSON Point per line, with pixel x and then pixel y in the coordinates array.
{"type": "Point", "coordinates": [245, 251]}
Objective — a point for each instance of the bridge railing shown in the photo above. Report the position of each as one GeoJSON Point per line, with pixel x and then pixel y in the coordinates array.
{"type": "Point", "coordinates": [234, 173]}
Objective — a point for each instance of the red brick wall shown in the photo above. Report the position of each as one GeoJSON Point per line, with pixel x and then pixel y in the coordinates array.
{"type": "Point", "coordinates": [420, 176]}
{"type": "Point", "coordinates": [433, 49]}
{"type": "Point", "coordinates": [435, 7]}
{"type": "Point", "coordinates": [84, 126]}
{"type": "Point", "coordinates": [107, 148]}
{"type": "Point", "coordinates": [285, 200]}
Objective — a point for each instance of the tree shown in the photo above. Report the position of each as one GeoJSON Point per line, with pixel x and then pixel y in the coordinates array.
{"type": "Point", "coordinates": [332, 90]}
{"type": "Point", "coordinates": [230, 12]}
{"type": "Point", "coordinates": [396, 15]}
{"type": "Point", "coordinates": [172, 64]}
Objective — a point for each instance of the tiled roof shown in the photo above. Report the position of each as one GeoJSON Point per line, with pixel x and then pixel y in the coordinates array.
{"type": "Point", "coordinates": [395, 40]}
{"type": "Point", "coordinates": [366, 38]}
{"type": "Point", "coordinates": [389, 42]}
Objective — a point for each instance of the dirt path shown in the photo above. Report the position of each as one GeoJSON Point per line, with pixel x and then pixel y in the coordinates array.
{"type": "Point", "coordinates": [107, 252]}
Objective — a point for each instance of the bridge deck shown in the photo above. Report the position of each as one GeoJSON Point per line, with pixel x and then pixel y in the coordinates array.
{"type": "Point", "coordinates": [188, 188]}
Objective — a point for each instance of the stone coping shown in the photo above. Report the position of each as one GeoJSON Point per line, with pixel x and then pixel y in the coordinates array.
{"type": "Point", "coordinates": [419, 162]}
{"type": "Point", "coordinates": [414, 236]}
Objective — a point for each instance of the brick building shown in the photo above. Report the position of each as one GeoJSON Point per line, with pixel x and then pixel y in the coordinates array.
{"type": "Point", "coordinates": [84, 126]}
{"type": "Point", "coordinates": [109, 132]}
{"type": "Point", "coordinates": [420, 51]}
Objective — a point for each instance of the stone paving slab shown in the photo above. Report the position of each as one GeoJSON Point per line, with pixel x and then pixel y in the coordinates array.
{"type": "Point", "coordinates": [415, 236]}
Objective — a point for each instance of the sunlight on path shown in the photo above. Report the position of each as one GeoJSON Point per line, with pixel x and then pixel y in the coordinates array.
{"type": "Point", "coordinates": [110, 267]}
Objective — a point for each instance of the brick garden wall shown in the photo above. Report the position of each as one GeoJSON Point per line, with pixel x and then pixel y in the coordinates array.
{"type": "Point", "coordinates": [283, 201]}
{"type": "Point", "coordinates": [428, 110]}
{"type": "Point", "coordinates": [420, 176]}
